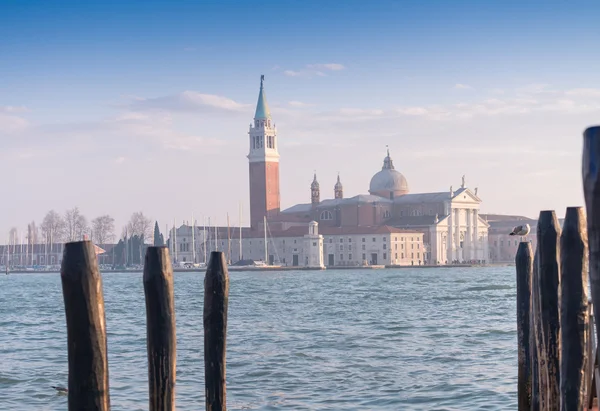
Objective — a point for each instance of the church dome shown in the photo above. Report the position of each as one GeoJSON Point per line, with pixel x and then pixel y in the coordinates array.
{"type": "Point", "coordinates": [388, 182]}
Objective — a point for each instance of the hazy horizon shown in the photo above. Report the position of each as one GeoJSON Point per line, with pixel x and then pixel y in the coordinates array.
{"type": "Point", "coordinates": [117, 107]}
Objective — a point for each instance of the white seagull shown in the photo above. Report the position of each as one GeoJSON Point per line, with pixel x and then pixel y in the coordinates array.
{"type": "Point", "coordinates": [520, 230]}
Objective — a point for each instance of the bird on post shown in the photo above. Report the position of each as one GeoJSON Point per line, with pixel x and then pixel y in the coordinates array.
{"type": "Point", "coordinates": [521, 230]}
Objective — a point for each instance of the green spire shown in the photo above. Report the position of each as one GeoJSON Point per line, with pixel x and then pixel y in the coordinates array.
{"type": "Point", "coordinates": [262, 108]}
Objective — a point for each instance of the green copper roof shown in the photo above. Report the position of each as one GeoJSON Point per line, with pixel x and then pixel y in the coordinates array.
{"type": "Point", "coordinates": [262, 108]}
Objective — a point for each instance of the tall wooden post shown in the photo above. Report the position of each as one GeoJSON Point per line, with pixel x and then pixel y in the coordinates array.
{"type": "Point", "coordinates": [573, 311]}
{"type": "Point", "coordinates": [86, 328]}
{"type": "Point", "coordinates": [160, 328]}
{"type": "Point", "coordinates": [216, 299]}
{"type": "Point", "coordinates": [535, 336]}
{"type": "Point", "coordinates": [524, 264]}
{"type": "Point", "coordinates": [591, 190]}
{"type": "Point", "coordinates": [548, 237]}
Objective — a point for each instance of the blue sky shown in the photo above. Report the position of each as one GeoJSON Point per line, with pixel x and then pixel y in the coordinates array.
{"type": "Point", "coordinates": [141, 95]}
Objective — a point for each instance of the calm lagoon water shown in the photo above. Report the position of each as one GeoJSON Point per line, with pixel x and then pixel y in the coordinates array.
{"type": "Point", "coordinates": [405, 339]}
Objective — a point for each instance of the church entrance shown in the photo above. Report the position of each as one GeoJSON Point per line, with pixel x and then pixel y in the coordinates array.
{"type": "Point", "coordinates": [295, 260]}
{"type": "Point", "coordinates": [331, 262]}
{"type": "Point", "coordinates": [374, 258]}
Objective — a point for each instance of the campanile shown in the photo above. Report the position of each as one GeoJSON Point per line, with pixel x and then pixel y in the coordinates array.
{"type": "Point", "coordinates": [263, 161]}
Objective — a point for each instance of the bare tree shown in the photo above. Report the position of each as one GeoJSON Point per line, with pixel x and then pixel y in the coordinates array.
{"type": "Point", "coordinates": [140, 225]}
{"type": "Point", "coordinates": [103, 229]}
{"type": "Point", "coordinates": [53, 227]}
{"type": "Point", "coordinates": [76, 225]}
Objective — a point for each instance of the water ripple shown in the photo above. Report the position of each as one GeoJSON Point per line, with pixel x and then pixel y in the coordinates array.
{"type": "Point", "coordinates": [442, 339]}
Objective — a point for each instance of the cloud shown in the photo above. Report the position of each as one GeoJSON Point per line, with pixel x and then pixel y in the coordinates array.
{"type": "Point", "coordinates": [460, 86]}
{"type": "Point", "coordinates": [292, 73]}
{"type": "Point", "coordinates": [326, 66]}
{"type": "Point", "coordinates": [13, 109]}
{"type": "Point", "coordinates": [413, 111]}
{"type": "Point", "coordinates": [583, 92]}
{"type": "Point", "coordinates": [120, 160]}
{"type": "Point", "coordinates": [189, 101]}
{"type": "Point", "coordinates": [315, 70]}
{"type": "Point", "coordinates": [299, 104]}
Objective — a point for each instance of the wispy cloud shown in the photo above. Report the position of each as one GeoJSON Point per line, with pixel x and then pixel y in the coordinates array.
{"type": "Point", "coordinates": [311, 70]}
{"type": "Point", "coordinates": [189, 101]}
{"type": "Point", "coordinates": [326, 66]}
{"type": "Point", "coordinates": [120, 160]}
{"type": "Point", "coordinates": [299, 104]}
{"type": "Point", "coordinates": [460, 86]}
{"type": "Point", "coordinates": [13, 109]}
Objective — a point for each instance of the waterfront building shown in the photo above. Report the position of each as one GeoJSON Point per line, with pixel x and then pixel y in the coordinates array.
{"type": "Point", "coordinates": [449, 220]}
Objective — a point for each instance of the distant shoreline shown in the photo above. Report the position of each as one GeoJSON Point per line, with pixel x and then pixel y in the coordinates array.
{"type": "Point", "coordinates": [288, 268]}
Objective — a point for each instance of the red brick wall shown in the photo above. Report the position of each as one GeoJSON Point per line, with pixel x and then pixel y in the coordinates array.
{"type": "Point", "coordinates": [264, 191]}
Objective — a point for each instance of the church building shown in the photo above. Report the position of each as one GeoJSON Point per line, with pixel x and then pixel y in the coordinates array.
{"type": "Point", "coordinates": [453, 231]}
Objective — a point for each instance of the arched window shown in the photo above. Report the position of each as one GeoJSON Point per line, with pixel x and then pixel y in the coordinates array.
{"type": "Point", "coordinates": [326, 215]}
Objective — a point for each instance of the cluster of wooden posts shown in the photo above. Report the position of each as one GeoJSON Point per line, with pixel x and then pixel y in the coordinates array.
{"type": "Point", "coordinates": [88, 387]}
{"type": "Point", "coordinates": [557, 355]}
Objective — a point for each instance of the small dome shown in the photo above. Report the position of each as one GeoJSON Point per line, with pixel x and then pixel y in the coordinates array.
{"type": "Point", "coordinates": [388, 182]}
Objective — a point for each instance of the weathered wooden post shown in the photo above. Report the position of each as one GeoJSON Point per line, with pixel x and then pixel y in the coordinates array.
{"type": "Point", "coordinates": [216, 298]}
{"type": "Point", "coordinates": [548, 237]}
{"type": "Point", "coordinates": [535, 335]}
{"type": "Point", "coordinates": [86, 328]}
{"type": "Point", "coordinates": [524, 264]}
{"type": "Point", "coordinates": [573, 310]}
{"type": "Point", "coordinates": [591, 190]}
{"type": "Point", "coordinates": [160, 328]}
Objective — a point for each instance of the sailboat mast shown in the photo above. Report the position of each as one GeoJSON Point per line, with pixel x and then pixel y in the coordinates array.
{"type": "Point", "coordinates": [175, 238]}
{"type": "Point", "coordinates": [193, 240]}
{"type": "Point", "coordinates": [266, 245]}
{"type": "Point", "coordinates": [228, 241]}
{"type": "Point", "coordinates": [240, 209]}
{"type": "Point", "coordinates": [204, 243]}
{"type": "Point", "coordinates": [216, 238]}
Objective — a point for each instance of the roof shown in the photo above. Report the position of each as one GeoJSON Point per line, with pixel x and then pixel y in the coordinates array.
{"type": "Point", "coordinates": [423, 198]}
{"type": "Point", "coordinates": [262, 108]}
{"type": "Point", "coordinates": [332, 202]}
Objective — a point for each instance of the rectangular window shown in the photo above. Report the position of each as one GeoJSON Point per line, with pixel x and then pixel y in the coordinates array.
{"type": "Point", "coordinates": [373, 239]}
{"type": "Point", "coordinates": [349, 256]}
{"type": "Point", "coordinates": [330, 240]}
{"type": "Point", "coordinates": [314, 243]}
{"type": "Point", "coordinates": [401, 238]}
{"type": "Point", "coordinates": [395, 246]}
{"type": "Point", "coordinates": [384, 239]}
{"type": "Point", "coordinates": [418, 246]}
{"type": "Point", "coordinates": [341, 257]}
{"type": "Point", "coordinates": [385, 256]}
{"type": "Point", "coordinates": [363, 239]}
{"type": "Point", "coordinates": [341, 248]}
{"type": "Point", "coordinates": [385, 246]}
{"type": "Point", "coordinates": [402, 255]}
{"type": "Point", "coordinates": [418, 255]}
{"type": "Point", "coordinates": [349, 240]}
{"type": "Point", "coordinates": [412, 246]}
{"type": "Point", "coordinates": [501, 243]}
{"type": "Point", "coordinates": [396, 256]}
{"type": "Point", "coordinates": [402, 246]}
{"type": "Point", "coordinates": [364, 248]}
{"type": "Point", "coordinates": [364, 256]}
{"type": "Point", "coordinates": [395, 238]}
{"type": "Point", "coordinates": [341, 240]}
{"type": "Point", "coordinates": [412, 255]}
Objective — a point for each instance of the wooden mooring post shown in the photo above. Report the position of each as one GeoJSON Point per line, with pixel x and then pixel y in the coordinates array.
{"type": "Point", "coordinates": [86, 328]}
{"type": "Point", "coordinates": [216, 299]}
{"type": "Point", "coordinates": [574, 315]}
{"type": "Point", "coordinates": [524, 265]}
{"type": "Point", "coordinates": [554, 313]}
{"type": "Point", "coordinates": [160, 328]}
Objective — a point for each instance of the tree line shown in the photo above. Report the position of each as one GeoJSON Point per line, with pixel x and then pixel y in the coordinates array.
{"type": "Point", "coordinates": [72, 225]}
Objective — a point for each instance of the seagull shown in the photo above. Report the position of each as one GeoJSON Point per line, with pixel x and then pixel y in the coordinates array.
{"type": "Point", "coordinates": [521, 230]}
{"type": "Point", "coordinates": [60, 390]}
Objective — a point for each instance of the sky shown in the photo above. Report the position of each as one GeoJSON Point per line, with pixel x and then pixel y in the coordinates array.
{"type": "Point", "coordinates": [124, 106]}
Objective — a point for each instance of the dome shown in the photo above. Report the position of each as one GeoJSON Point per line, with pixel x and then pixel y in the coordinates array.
{"type": "Point", "coordinates": [388, 182]}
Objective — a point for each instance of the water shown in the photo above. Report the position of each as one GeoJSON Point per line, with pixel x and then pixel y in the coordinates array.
{"type": "Point", "coordinates": [406, 339]}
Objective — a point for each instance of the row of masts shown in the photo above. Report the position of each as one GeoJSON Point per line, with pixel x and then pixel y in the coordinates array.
{"type": "Point", "coordinates": [208, 243]}
{"type": "Point", "coordinates": [22, 249]}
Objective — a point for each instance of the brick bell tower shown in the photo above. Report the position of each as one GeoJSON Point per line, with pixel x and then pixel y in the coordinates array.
{"type": "Point", "coordinates": [263, 163]}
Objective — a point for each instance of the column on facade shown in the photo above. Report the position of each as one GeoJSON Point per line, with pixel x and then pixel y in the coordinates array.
{"type": "Point", "coordinates": [476, 236]}
{"type": "Point", "coordinates": [468, 235]}
{"type": "Point", "coordinates": [450, 238]}
{"type": "Point", "coordinates": [457, 234]}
